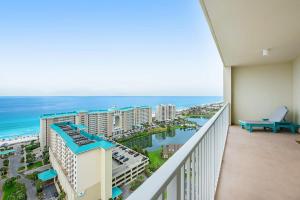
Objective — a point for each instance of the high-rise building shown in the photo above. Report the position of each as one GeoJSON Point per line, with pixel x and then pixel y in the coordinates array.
{"type": "Point", "coordinates": [82, 161]}
{"type": "Point", "coordinates": [109, 122]}
{"type": "Point", "coordinates": [47, 120]}
{"type": "Point", "coordinates": [165, 112]}
{"type": "Point", "coordinates": [142, 115]}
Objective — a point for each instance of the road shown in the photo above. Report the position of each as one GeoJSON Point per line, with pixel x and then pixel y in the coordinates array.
{"type": "Point", "coordinates": [14, 164]}
{"type": "Point", "coordinates": [30, 188]}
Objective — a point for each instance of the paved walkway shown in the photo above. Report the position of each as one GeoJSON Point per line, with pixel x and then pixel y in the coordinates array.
{"type": "Point", "coordinates": [261, 166]}
{"type": "Point", "coordinates": [39, 169]}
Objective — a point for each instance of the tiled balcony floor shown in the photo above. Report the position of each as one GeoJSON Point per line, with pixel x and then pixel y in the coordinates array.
{"type": "Point", "coordinates": [261, 166]}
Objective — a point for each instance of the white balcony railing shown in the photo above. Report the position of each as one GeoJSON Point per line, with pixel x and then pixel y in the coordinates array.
{"type": "Point", "coordinates": [200, 157]}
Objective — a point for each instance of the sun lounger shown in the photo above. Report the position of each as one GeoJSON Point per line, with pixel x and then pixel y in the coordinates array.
{"type": "Point", "coordinates": [274, 122]}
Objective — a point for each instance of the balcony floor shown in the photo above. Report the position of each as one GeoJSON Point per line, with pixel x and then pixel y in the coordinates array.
{"type": "Point", "coordinates": [260, 166]}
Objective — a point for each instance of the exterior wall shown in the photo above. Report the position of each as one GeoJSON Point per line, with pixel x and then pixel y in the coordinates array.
{"type": "Point", "coordinates": [62, 178]}
{"type": "Point", "coordinates": [127, 176]}
{"type": "Point", "coordinates": [106, 174]}
{"type": "Point", "coordinates": [88, 174]}
{"type": "Point", "coordinates": [258, 90]}
{"type": "Point", "coordinates": [296, 89]}
{"type": "Point", "coordinates": [82, 118]}
{"type": "Point", "coordinates": [227, 87]}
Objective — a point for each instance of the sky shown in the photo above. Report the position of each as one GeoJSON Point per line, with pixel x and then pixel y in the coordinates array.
{"type": "Point", "coordinates": [112, 47]}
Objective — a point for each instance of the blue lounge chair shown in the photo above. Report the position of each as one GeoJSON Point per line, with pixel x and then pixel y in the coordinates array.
{"type": "Point", "coordinates": [274, 122]}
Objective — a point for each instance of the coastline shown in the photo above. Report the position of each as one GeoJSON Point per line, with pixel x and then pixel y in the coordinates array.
{"type": "Point", "coordinates": [17, 139]}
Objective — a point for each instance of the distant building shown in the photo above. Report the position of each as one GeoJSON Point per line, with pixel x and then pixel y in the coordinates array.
{"type": "Point", "coordinates": [82, 162]}
{"type": "Point", "coordinates": [109, 122]}
{"type": "Point", "coordinates": [169, 150]}
{"type": "Point", "coordinates": [165, 112]}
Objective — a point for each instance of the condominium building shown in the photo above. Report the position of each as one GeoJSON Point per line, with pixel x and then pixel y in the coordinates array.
{"type": "Point", "coordinates": [142, 115]}
{"type": "Point", "coordinates": [47, 120]}
{"type": "Point", "coordinates": [82, 161]}
{"type": "Point", "coordinates": [165, 112]}
{"type": "Point", "coordinates": [109, 122]}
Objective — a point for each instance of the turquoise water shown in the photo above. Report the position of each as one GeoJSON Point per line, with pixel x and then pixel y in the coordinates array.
{"type": "Point", "coordinates": [20, 115]}
{"type": "Point", "coordinates": [155, 141]}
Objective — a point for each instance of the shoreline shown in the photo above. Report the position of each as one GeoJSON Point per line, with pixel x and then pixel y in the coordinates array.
{"type": "Point", "coordinates": [17, 139]}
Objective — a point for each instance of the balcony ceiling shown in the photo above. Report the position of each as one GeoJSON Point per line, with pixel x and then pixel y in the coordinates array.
{"type": "Point", "coordinates": [242, 28]}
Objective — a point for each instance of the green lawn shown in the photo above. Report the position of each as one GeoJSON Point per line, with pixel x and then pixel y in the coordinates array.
{"type": "Point", "coordinates": [14, 190]}
{"type": "Point", "coordinates": [34, 165]}
{"type": "Point", "coordinates": [155, 159]}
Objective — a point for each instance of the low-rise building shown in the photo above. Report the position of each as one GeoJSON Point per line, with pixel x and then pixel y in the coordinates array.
{"type": "Point", "coordinates": [126, 165]}
{"type": "Point", "coordinates": [169, 150]}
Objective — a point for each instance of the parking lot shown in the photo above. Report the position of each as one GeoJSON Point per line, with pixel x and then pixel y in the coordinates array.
{"type": "Point", "coordinates": [50, 192]}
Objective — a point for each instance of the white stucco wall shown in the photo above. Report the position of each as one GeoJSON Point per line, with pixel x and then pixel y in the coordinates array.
{"type": "Point", "coordinates": [258, 90]}
{"type": "Point", "coordinates": [296, 89]}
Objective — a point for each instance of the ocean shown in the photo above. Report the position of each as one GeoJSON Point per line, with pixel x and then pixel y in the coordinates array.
{"type": "Point", "coordinates": [19, 116]}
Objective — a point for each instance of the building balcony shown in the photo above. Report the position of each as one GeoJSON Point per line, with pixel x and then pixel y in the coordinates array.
{"type": "Point", "coordinates": [227, 162]}
{"type": "Point", "coordinates": [262, 165]}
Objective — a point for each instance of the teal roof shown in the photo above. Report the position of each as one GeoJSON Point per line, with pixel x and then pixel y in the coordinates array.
{"type": "Point", "coordinates": [7, 152]}
{"type": "Point", "coordinates": [98, 111]}
{"type": "Point", "coordinates": [54, 115]}
{"type": "Point", "coordinates": [126, 108]}
{"type": "Point", "coordinates": [80, 126]}
{"type": "Point", "coordinates": [97, 142]}
{"type": "Point", "coordinates": [47, 175]}
{"type": "Point", "coordinates": [143, 107]}
{"type": "Point", "coordinates": [116, 191]}
{"type": "Point", "coordinates": [65, 114]}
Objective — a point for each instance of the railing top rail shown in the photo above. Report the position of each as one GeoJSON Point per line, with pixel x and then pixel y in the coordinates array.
{"type": "Point", "coordinates": [155, 185]}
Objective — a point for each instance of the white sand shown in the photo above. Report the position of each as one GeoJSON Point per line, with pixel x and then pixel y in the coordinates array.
{"type": "Point", "coordinates": [19, 139]}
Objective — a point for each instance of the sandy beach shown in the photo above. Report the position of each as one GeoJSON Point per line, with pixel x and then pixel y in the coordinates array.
{"type": "Point", "coordinates": [19, 139]}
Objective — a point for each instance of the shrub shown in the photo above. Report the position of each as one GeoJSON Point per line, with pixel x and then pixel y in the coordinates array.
{"type": "Point", "coordinates": [21, 168]}
{"type": "Point", "coordinates": [6, 162]}
{"type": "Point", "coordinates": [32, 176]}
{"type": "Point", "coordinates": [136, 183]}
{"type": "Point", "coordinates": [38, 186]}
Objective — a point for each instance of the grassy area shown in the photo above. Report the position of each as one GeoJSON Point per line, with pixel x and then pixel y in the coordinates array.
{"type": "Point", "coordinates": [21, 168]}
{"type": "Point", "coordinates": [35, 165]}
{"type": "Point", "coordinates": [12, 189]}
{"type": "Point", "coordinates": [207, 115]}
{"type": "Point", "coordinates": [155, 159]}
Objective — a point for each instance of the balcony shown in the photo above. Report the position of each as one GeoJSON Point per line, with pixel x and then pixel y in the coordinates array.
{"type": "Point", "coordinates": [193, 171]}
{"type": "Point", "coordinates": [258, 42]}
{"type": "Point", "coordinates": [261, 165]}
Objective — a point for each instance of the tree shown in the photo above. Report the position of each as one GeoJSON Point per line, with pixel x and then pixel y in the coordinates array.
{"type": "Point", "coordinates": [9, 182]}
{"type": "Point", "coordinates": [6, 162]}
{"type": "Point", "coordinates": [169, 128]}
{"type": "Point", "coordinates": [38, 186]}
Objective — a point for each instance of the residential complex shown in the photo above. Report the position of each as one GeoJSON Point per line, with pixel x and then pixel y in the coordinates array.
{"type": "Point", "coordinates": [83, 162]}
{"type": "Point", "coordinates": [165, 112]}
{"type": "Point", "coordinates": [109, 122]}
